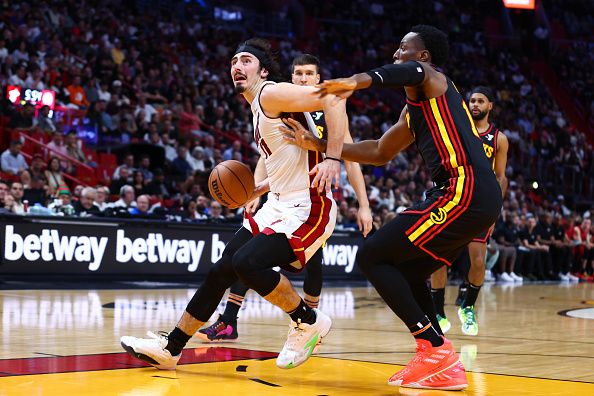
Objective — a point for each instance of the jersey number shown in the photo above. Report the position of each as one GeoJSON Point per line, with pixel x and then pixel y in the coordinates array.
{"type": "Point", "coordinates": [261, 143]}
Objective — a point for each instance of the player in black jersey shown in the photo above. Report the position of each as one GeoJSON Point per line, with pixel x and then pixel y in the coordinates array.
{"type": "Point", "coordinates": [402, 254]}
{"type": "Point", "coordinates": [495, 145]}
{"type": "Point", "coordinates": [305, 71]}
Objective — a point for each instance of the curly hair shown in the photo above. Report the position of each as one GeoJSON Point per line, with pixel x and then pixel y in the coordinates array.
{"type": "Point", "coordinates": [435, 41]}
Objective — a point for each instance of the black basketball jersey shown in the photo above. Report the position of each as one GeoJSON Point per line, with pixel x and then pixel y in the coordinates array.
{"type": "Point", "coordinates": [447, 139]}
{"type": "Point", "coordinates": [489, 138]}
{"type": "Point", "coordinates": [320, 120]}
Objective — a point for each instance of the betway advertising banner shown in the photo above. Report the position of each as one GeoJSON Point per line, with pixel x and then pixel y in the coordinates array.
{"type": "Point", "coordinates": [42, 246]}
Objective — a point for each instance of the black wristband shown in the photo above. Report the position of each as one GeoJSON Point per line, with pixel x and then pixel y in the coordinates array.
{"type": "Point", "coordinates": [332, 158]}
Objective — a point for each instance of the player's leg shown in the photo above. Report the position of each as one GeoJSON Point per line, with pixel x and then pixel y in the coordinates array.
{"type": "Point", "coordinates": [476, 277]}
{"type": "Point", "coordinates": [312, 284]}
{"type": "Point", "coordinates": [225, 327]}
{"type": "Point", "coordinates": [254, 265]}
{"type": "Point", "coordinates": [164, 350]}
{"type": "Point", "coordinates": [438, 283]}
{"type": "Point", "coordinates": [382, 259]}
{"type": "Point", "coordinates": [463, 265]}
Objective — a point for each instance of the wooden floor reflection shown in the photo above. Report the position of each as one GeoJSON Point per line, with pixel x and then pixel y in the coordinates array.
{"type": "Point", "coordinates": [533, 340]}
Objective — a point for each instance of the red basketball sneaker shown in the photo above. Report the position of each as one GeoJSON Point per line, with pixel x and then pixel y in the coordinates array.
{"type": "Point", "coordinates": [453, 378]}
{"type": "Point", "coordinates": [427, 362]}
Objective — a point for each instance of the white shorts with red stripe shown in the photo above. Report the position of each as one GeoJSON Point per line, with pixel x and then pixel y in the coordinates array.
{"type": "Point", "coordinates": [306, 218]}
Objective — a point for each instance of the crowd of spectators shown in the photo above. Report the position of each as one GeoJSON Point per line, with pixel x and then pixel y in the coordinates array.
{"type": "Point", "coordinates": [162, 79]}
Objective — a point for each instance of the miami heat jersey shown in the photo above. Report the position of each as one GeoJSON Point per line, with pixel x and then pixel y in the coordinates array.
{"type": "Point", "coordinates": [287, 165]}
{"type": "Point", "coordinates": [489, 138]}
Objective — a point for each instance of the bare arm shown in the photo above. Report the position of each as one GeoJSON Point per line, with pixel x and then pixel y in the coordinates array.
{"type": "Point", "coordinates": [262, 186]}
{"type": "Point", "coordinates": [355, 176]}
{"type": "Point", "coordinates": [375, 152]}
{"type": "Point", "coordinates": [284, 97]}
{"type": "Point", "coordinates": [501, 161]}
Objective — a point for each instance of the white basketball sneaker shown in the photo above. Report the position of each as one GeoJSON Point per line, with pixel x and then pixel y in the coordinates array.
{"type": "Point", "coordinates": [151, 350]}
{"type": "Point", "coordinates": [302, 340]}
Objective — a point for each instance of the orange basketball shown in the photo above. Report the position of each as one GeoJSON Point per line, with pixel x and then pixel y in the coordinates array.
{"type": "Point", "coordinates": [231, 183]}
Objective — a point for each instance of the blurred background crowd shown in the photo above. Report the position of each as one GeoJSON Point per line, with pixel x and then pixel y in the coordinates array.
{"type": "Point", "coordinates": [143, 108]}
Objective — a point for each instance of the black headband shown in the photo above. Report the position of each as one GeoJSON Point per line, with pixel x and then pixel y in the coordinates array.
{"type": "Point", "coordinates": [261, 55]}
{"type": "Point", "coordinates": [485, 91]}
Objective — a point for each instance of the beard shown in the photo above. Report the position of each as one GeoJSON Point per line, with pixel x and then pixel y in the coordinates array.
{"type": "Point", "coordinates": [479, 116]}
{"type": "Point", "coordinates": [239, 89]}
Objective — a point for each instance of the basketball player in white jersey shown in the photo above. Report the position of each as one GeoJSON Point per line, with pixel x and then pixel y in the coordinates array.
{"type": "Point", "coordinates": [291, 226]}
{"type": "Point", "coordinates": [306, 72]}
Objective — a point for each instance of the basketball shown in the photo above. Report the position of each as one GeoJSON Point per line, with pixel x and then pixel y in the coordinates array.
{"type": "Point", "coordinates": [231, 183]}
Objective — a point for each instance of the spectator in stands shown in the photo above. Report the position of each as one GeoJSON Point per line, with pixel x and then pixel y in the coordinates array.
{"type": "Point", "coordinates": [209, 147]}
{"type": "Point", "coordinates": [23, 118]}
{"type": "Point", "coordinates": [9, 204]}
{"type": "Point", "coordinates": [507, 237]}
{"type": "Point", "coordinates": [215, 214]}
{"type": "Point", "coordinates": [235, 148]}
{"type": "Point", "coordinates": [63, 204]}
{"type": "Point", "coordinates": [44, 122]}
{"type": "Point", "coordinates": [138, 183]}
{"type": "Point", "coordinates": [37, 166]}
{"type": "Point", "coordinates": [53, 175]}
{"type": "Point", "coordinates": [586, 254]}
{"type": "Point", "coordinates": [102, 197]}
{"type": "Point", "coordinates": [73, 149]}
{"type": "Point", "coordinates": [169, 146]}
{"type": "Point", "coordinates": [78, 96]}
{"type": "Point", "coordinates": [128, 163]}
{"type": "Point", "coordinates": [203, 205]}
{"type": "Point", "coordinates": [144, 168]}
{"type": "Point", "coordinates": [17, 191]}
{"type": "Point", "coordinates": [57, 146]}
{"type": "Point", "coordinates": [12, 160]}
{"type": "Point", "coordinates": [536, 266]}
{"type": "Point", "coordinates": [127, 197]}
{"type": "Point", "coordinates": [124, 179]}
{"type": "Point", "coordinates": [181, 166]}
{"type": "Point", "coordinates": [350, 220]}
{"type": "Point", "coordinates": [77, 192]}
{"type": "Point", "coordinates": [198, 161]}
{"type": "Point", "coordinates": [561, 250]}
{"type": "Point", "coordinates": [158, 187]}
{"type": "Point", "coordinates": [191, 213]}
{"type": "Point", "coordinates": [142, 207]}
{"type": "Point", "coordinates": [37, 192]}
{"type": "Point", "coordinates": [85, 206]}
{"type": "Point", "coordinates": [148, 110]}
{"type": "Point", "coordinates": [3, 192]}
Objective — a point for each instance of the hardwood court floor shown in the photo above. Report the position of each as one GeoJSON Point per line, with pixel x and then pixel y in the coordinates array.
{"type": "Point", "coordinates": [66, 342]}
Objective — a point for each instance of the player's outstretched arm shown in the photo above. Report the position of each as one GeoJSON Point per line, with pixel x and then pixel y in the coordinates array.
{"type": "Point", "coordinates": [287, 98]}
{"type": "Point", "coordinates": [374, 152]}
{"type": "Point", "coordinates": [353, 169]}
{"type": "Point", "coordinates": [501, 161]}
{"type": "Point", "coordinates": [408, 74]}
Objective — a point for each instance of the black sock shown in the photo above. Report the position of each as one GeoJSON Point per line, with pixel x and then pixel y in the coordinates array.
{"type": "Point", "coordinates": [424, 330]}
{"type": "Point", "coordinates": [177, 340]}
{"type": "Point", "coordinates": [471, 295]}
{"type": "Point", "coordinates": [230, 314]}
{"type": "Point", "coordinates": [438, 296]}
{"type": "Point", "coordinates": [303, 314]}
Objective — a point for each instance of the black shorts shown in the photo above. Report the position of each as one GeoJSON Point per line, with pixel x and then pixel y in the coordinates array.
{"type": "Point", "coordinates": [447, 221]}
{"type": "Point", "coordinates": [484, 236]}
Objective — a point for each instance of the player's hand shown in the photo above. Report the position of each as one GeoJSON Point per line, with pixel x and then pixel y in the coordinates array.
{"type": "Point", "coordinates": [296, 134]}
{"type": "Point", "coordinates": [326, 172]}
{"type": "Point", "coordinates": [252, 206]}
{"type": "Point", "coordinates": [364, 220]}
{"type": "Point", "coordinates": [341, 87]}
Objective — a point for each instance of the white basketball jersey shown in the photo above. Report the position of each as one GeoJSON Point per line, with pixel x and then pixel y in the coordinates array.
{"type": "Point", "coordinates": [287, 165]}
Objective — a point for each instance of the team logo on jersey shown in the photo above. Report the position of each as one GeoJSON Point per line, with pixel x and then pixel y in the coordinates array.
{"type": "Point", "coordinates": [490, 137]}
{"type": "Point", "coordinates": [488, 150]}
{"type": "Point", "coordinates": [439, 217]}
{"type": "Point", "coordinates": [317, 115]}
